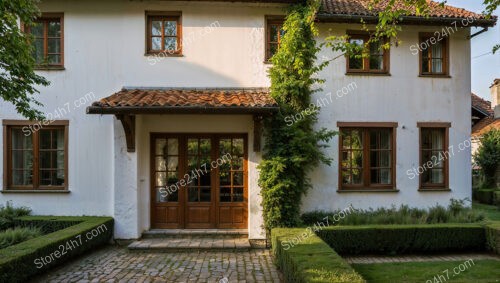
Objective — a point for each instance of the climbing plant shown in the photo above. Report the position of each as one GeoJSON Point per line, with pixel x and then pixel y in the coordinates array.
{"type": "Point", "coordinates": [292, 150]}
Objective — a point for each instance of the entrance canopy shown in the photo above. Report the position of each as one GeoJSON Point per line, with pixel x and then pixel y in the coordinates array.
{"type": "Point", "coordinates": [131, 101]}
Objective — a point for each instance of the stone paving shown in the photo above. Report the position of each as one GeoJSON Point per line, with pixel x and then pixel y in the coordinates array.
{"type": "Point", "coordinates": [418, 258]}
{"type": "Point", "coordinates": [116, 264]}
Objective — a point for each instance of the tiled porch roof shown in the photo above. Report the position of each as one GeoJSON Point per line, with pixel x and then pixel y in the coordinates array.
{"type": "Point", "coordinates": [185, 100]}
{"type": "Point", "coordinates": [352, 10]}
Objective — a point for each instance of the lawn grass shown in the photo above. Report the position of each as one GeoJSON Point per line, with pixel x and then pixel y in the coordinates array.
{"type": "Point", "coordinates": [492, 212]}
{"type": "Point", "coordinates": [478, 271]}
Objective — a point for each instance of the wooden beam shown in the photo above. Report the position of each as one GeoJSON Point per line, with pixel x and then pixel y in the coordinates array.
{"type": "Point", "coordinates": [257, 132]}
{"type": "Point", "coordinates": [128, 123]}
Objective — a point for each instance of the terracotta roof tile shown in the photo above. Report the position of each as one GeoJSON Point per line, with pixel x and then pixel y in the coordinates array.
{"type": "Point", "coordinates": [485, 125]}
{"type": "Point", "coordinates": [481, 104]}
{"type": "Point", "coordinates": [361, 8]}
{"type": "Point", "coordinates": [247, 98]}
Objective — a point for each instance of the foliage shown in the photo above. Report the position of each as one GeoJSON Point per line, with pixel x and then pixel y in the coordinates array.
{"type": "Point", "coordinates": [311, 260]}
{"type": "Point", "coordinates": [17, 262]}
{"type": "Point", "coordinates": [432, 271]}
{"type": "Point", "coordinates": [292, 151]}
{"type": "Point", "coordinates": [455, 213]}
{"type": "Point", "coordinates": [488, 156]}
{"type": "Point", "coordinates": [484, 195]}
{"type": "Point", "coordinates": [11, 237]}
{"type": "Point", "coordinates": [46, 225]}
{"type": "Point", "coordinates": [493, 237]}
{"type": "Point", "coordinates": [8, 213]}
{"type": "Point", "coordinates": [18, 79]}
{"type": "Point", "coordinates": [403, 239]}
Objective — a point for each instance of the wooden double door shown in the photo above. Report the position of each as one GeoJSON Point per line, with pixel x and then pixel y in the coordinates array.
{"type": "Point", "coordinates": [199, 181]}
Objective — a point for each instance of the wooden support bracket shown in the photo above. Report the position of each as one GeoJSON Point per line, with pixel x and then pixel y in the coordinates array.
{"type": "Point", "coordinates": [128, 123]}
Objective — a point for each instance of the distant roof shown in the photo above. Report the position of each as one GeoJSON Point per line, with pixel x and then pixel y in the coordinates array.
{"type": "Point", "coordinates": [485, 125]}
{"type": "Point", "coordinates": [185, 100]}
{"type": "Point", "coordinates": [354, 10]}
{"type": "Point", "coordinates": [481, 105]}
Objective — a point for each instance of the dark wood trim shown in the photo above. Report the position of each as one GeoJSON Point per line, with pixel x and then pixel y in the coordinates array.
{"type": "Point", "coordinates": [434, 190]}
{"type": "Point", "coordinates": [164, 15]}
{"type": "Point", "coordinates": [128, 123]}
{"type": "Point", "coordinates": [257, 132]}
{"type": "Point", "coordinates": [367, 190]}
{"type": "Point", "coordinates": [365, 35]}
{"type": "Point", "coordinates": [7, 122]}
{"type": "Point", "coordinates": [367, 124]}
{"type": "Point", "coordinates": [38, 191]}
{"type": "Point", "coordinates": [423, 36]}
{"type": "Point", "coordinates": [433, 124]}
{"type": "Point", "coordinates": [6, 157]}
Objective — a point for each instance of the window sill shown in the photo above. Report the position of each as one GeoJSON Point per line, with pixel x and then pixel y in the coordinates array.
{"type": "Point", "coordinates": [49, 68]}
{"type": "Point", "coordinates": [35, 191]}
{"type": "Point", "coordinates": [164, 55]}
{"type": "Point", "coordinates": [435, 190]}
{"type": "Point", "coordinates": [386, 74]}
{"type": "Point", "coordinates": [368, 191]}
{"type": "Point", "coordinates": [435, 76]}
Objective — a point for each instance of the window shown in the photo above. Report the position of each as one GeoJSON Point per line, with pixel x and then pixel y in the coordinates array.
{"type": "Point", "coordinates": [47, 32]}
{"type": "Point", "coordinates": [367, 155]}
{"type": "Point", "coordinates": [433, 55]}
{"type": "Point", "coordinates": [274, 33]}
{"type": "Point", "coordinates": [164, 33]}
{"type": "Point", "coordinates": [36, 155]}
{"type": "Point", "coordinates": [376, 59]}
{"type": "Point", "coordinates": [434, 155]}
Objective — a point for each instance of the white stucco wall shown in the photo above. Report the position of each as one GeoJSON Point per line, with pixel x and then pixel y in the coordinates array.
{"type": "Point", "coordinates": [104, 51]}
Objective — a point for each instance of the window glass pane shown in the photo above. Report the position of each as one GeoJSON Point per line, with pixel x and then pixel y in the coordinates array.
{"type": "Point", "coordinates": [357, 176]}
{"type": "Point", "coordinates": [225, 194]}
{"type": "Point", "coordinates": [238, 147]}
{"type": "Point", "coordinates": [45, 139]}
{"type": "Point", "coordinates": [36, 29]}
{"type": "Point", "coordinates": [172, 178]}
{"type": "Point", "coordinates": [224, 175]}
{"type": "Point", "coordinates": [54, 29]}
{"type": "Point", "coordinates": [193, 194]}
{"type": "Point", "coordinates": [156, 43]}
{"type": "Point", "coordinates": [237, 194]}
{"type": "Point", "coordinates": [171, 28]}
{"type": "Point", "coordinates": [425, 61]}
{"type": "Point", "coordinates": [237, 178]}
{"type": "Point", "coordinates": [205, 194]}
{"type": "Point", "coordinates": [22, 159]}
{"type": "Point", "coordinates": [192, 146]}
{"type": "Point", "coordinates": [273, 30]}
{"type": "Point", "coordinates": [173, 146]}
{"type": "Point", "coordinates": [205, 146]}
{"type": "Point", "coordinates": [161, 179]}
{"type": "Point", "coordinates": [156, 27]}
{"type": "Point", "coordinates": [357, 159]}
{"type": "Point", "coordinates": [380, 139]}
{"type": "Point", "coordinates": [433, 139]}
{"type": "Point", "coordinates": [355, 62]}
{"type": "Point", "coordinates": [160, 146]}
{"type": "Point", "coordinates": [54, 45]}
{"type": "Point", "coordinates": [273, 48]}
{"type": "Point", "coordinates": [20, 140]}
{"type": "Point", "coordinates": [205, 178]}
{"type": "Point", "coordinates": [224, 146]}
{"type": "Point", "coordinates": [161, 163]}
{"type": "Point", "coordinates": [173, 163]}
{"type": "Point", "coordinates": [161, 196]}
{"type": "Point", "coordinates": [376, 62]}
{"type": "Point", "coordinates": [171, 43]}
{"type": "Point", "coordinates": [22, 178]}
{"type": "Point", "coordinates": [437, 65]}
{"type": "Point", "coordinates": [437, 50]}
{"type": "Point", "coordinates": [38, 52]}
{"type": "Point", "coordinates": [54, 59]}
{"type": "Point", "coordinates": [237, 163]}
{"type": "Point", "coordinates": [51, 178]}
{"type": "Point", "coordinates": [380, 176]}
{"type": "Point", "coordinates": [380, 158]}
{"type": "Point", "coordinates": [46, 159]}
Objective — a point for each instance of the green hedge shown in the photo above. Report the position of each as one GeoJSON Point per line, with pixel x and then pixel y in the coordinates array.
{"type": "Point", "coordinates": [306, 258]}
{"type": "Point", "coordinates": [47, 224]}
{"type": "Point", "coordinates": [496, 198]}
{"type": "Point", "coordinates": [20, 262]}
{"type": "Point", "coordinates": [484, 196]}
{"type": "Point", "coordinates": [401, 239]}
{"type": "Point", "coordinates": [493, 237]}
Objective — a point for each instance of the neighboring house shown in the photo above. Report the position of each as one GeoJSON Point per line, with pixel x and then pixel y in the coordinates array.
{"type": "Point", "coordinates": [145, 92]}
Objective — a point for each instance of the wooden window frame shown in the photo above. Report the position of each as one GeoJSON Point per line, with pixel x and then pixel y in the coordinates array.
{"type": "Point", "coordinates": [45, 18]}
{"type": "Point", "coordinates": [271, 20]}
{"type": "Point", "coordinates": [365, 36]}
{"type": "Point", "coordinates": [366, 186]}
{"type": "Point", "coordinates": [168, 15]}
{"type": "Point", "coordinates": [425, 37]}
{"type": "Point", "coordinates": [8, 125]}
{"type": "Point", "coordinates": [436, 125]}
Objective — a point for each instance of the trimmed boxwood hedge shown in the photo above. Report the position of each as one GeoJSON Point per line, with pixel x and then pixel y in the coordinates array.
{"type": "Point", "coordinates": [401, 239]}
{"type": "Point", "coordinates": [484, 196]}
{"type": "Point", "coordinates": [493, 237]}
{"type": "Point", "coordinates": [17, 263]}
{"type": "Point", "coordinates": [309, 259]}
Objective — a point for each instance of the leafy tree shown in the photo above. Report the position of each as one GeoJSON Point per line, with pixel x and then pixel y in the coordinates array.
{"type": "Point", "coordinates": [488, 156]}
{"type": "Point", "coordinates": [18, 80]}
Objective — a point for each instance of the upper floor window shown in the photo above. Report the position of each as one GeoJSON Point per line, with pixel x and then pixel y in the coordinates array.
{"type": "Point", "coordinates": [36, 156]}
{"type": "Point", "coordinates": [164, 33]}
{"type": "Point", "coordinates": [47, 32]}
{"type": "Point", "coordinates": [274, 33]}
{"type": "Point", "coordinates": [433, 55]}
{"type": "Point", "coordinates": [372, 59]}
{"type": "Point", "coordinates": [434, 155]}
{"type": "Point", "coordinates": [367, 155]}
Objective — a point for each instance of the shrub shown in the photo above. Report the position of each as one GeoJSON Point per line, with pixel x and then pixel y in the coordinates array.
{"type": "Point", "coordinates": [20, 262]}
{"type": "Point", "coordinates": [484, 196]}
{"type": "Point", "coordinates": [8, 213]}
{"type": "Point", "coordinates": [455, 213]}
{"type": "Point", "coordinates": [47, 224]}
{"type": "Point", "coordinates": [488, 156]}
{"type": "Point", "coordinates": [493, 237]}
{"type": "Point", "coordinates": [11, 237]}
{"type": "Point", "coordinates": [310, 260]}
{"type": "Point", "coordinates": [496, 198]}
{"type": "Point", "coordinates": [401, 239]}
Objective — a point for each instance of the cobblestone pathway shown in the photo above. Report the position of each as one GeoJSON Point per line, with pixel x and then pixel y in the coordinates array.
{"type": "Point", "coordinates": [116, 264]}
{"type": "Point", "coordinates": [415, 258]}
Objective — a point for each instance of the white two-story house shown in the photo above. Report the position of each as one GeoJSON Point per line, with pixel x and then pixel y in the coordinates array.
{"type": "Point", "coordinates": [157, 111]}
